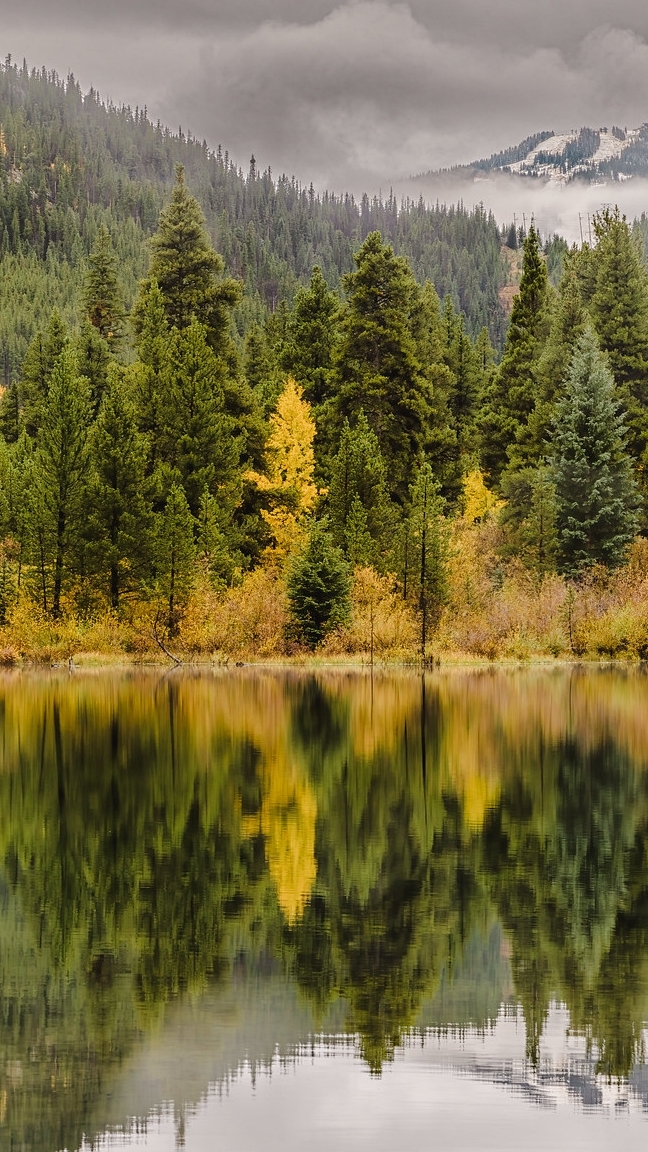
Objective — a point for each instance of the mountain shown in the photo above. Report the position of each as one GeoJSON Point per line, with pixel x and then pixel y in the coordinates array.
{"type": "Point", "coordinates": [70, 162]}
{"type": "Point", "coordinates": [591, 154]}
{"type": "Point", "coordinates": [588, 154]}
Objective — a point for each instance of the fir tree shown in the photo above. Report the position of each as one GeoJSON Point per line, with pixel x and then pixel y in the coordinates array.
{"type": "Point", "coordinates": [510, 399]}
{"type": "Point", "coordinates": [189, 272]}
{"type": "Point", "coordinates": [175, 554]}
{"type": "Point", "coordinates": [319, 584]}
{"type": "Point", "coordinates": [102, 295]}
{"type": "Point", "coordinates": [145, 377]}
{"type": "Point", "coordinates": [433, 333]}
{"type": "Point", "coordinates": [213, 542]}
{"type": "Point", "coordinates": [377, 368]}
{"type": "Point", "coordinates": [118, 513]}
{"type": "Point", "coordinates": [260, 369]}
{"type": "Point", "coordinates": [596, 497]}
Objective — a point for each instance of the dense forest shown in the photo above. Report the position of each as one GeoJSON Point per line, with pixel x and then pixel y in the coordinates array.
{"type": "Point", "coordinates": [69, 164]}
{"type": "Point", "coordinates": [193, 462]}
{"type": "Point", "coordinates": [354, 835]}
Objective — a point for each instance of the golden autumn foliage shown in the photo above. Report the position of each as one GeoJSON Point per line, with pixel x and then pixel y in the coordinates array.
{"type": "Point", "coordinates": [290, 469]}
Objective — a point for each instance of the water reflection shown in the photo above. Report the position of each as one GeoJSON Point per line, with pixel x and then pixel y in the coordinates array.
{"type": "Point", "coordinates": [322, 855]}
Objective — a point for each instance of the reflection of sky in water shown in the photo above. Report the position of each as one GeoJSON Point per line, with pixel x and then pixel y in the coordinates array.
{"type": "Point", "coordinates": [455, 1093]}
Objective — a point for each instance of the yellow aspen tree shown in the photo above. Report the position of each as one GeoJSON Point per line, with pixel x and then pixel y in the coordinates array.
{"type": "Point", "coordinates": [289, 470]}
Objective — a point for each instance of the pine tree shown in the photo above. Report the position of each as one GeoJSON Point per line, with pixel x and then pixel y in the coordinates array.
{"type": "Point", "coordinates": [153, 341]}
{"type": "Point", "coordinates": [433, 333]}
{"type": "Point", "coordinates": [359, 547]}
{"type": "Point", "coordinates": [175, 554]}
{"type": "Point", "coordinates": [42, 355]}
{"type": "Point", "coordinates": [189, 272]}
{"type": "Point", "coordinates": [510, 399]}
{"type": "Point", "coordinates": [60, 476]}
{"type": "Point", "coordinates": [93, 357]}
{"type": "Point", "coordinates": [261, 370]}
{"type": "Point", "coordinates": [427, 551]}
{"type": "Point", "coordinates": [596, 497]}
{"type": "Point", "coordinates": [619, 310]}
{"type": "Point", "coordinates": [310, 339]}
{"type": "Point", "coordinates": [319, 585]}
{"type": "Point", "coordinates": [377, 368]}
{"type": "Point", "coordinates": [118, 512]}
{"type": "Point", "coordinates": [567, 325]}
{"type": "Point", "coordinates": [102, 295]}
{"type": "Point", "coordinates": [197, 440]}
{"type": "Point", "coordinates": [358, 474]}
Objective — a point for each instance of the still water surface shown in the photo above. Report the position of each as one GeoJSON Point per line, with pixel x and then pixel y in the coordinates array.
{"type": "Point", "coordinates": [255, 910]}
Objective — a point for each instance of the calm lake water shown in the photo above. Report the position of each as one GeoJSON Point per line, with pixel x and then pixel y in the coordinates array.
{"type": "Point", "coordinates": [256, 910]}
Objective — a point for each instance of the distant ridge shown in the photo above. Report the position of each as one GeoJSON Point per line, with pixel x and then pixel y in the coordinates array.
{"type": "Point", "coordinates": [592, 155]}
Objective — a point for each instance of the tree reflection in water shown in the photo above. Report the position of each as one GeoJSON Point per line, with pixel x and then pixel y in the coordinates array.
{"type": "Point", "coordinates": [356, 836]}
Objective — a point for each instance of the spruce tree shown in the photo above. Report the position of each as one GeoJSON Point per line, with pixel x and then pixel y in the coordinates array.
{"type": "Point", "coordinates": [260, 367]}
{"type": "Point", "coordinates": [175, 554]}
{"type": "Point", "coordinates": [60, 476]}
{"type": "Point", "coordinates": [319, 584]}
{"type": "Point", "coordinates": [102, 294]}
{"type": "Point", "coordinates": [189, 272]}
{"type": "Point", "coordinates": [619, 310]}
{"type": "Point", "coordinates": [596, 497]}
{"type": "Point", "coordinates": [510, 399]}
{"type": "Point", "coordinates": [145, 376]}
{"type": "Point", "coordinates": [118, 512]}
{"type": "Point", "coordinates": [377, 368]}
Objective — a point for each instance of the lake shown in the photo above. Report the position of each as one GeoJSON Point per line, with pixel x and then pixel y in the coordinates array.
{"type": "Point", "coordinates": [284, 910]}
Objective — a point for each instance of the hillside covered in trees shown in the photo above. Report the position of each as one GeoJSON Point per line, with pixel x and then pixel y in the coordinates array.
{"type": "Point", "coordinates": [69, 164]}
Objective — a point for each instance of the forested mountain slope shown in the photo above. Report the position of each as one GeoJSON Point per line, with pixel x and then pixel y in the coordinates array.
{"type": "Point", "coordinates": [69, 162]}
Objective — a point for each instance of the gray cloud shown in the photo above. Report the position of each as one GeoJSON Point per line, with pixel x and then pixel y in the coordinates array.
{"type": "Point", "coordinates": [355, 95]}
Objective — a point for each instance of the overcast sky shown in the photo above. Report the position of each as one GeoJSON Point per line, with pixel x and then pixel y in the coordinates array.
{"type": "Point", "coordinates": [351, 95]}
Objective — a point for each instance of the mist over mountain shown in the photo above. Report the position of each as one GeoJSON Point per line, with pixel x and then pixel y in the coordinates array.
{"type": "Point", "coordinates": [559, 178]}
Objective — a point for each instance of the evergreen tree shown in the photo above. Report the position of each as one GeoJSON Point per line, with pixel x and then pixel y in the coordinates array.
{"type": "Point", "coordinates": [93, 357]}
{"type": "Point", "coordinates": [529, 517]}
{"type": "Point", "coordinates": [60, 477]}
{"type": "Point", "coordinates": [510, 399]}
{"type": "Point", "coordinates": [427, 551]}
{"type": "Point", "coordinates": [145, 377]}
{"type": "Point", "coordinates": [358, 476]}
{"type": "Point", "coordinates": [359, 547]}
{"type": "Point", "coordinates": [260, 369]}
{"type": "Point", "coordinates": [189, 272]}
{"type": "Point", "coordinates": [619, 310]}
{"type": "Point", "coordinates": [37, 370]}
{"type": "Point", "coordinates": [214, 541]}
{"type": "Point", "coordinates": [197, 443]}
{"type": "Point", "coordinates": [310, 339]}
{"type": "Point", "coordinates": [102, 295]}
{"type": "Point", "coordinates": [319, 584]}
{"type": "Point", "coordinates": [433, 333]}
{"type": "Point", "coordinates": [118, 513]}
{"type": "Point", "coordinates": [175, 554]}
{"type": "Point", "coordinates": [596, 497]}
{"type": "Point", "coordinates": [377, 368]}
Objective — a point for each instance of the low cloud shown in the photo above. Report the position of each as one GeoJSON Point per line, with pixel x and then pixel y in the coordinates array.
{"type": "Point", "coordinates": [357, 96]}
